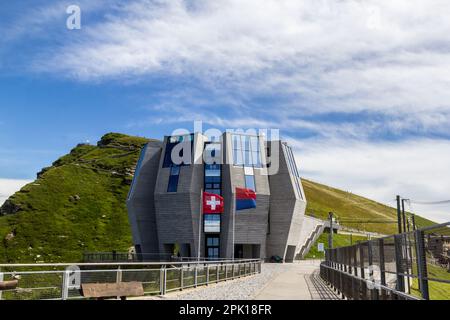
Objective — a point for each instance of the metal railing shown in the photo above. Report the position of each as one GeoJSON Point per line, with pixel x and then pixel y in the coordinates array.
{"type": "Point", "coordinates": [413, 265]}
{"type": "Point", "coordinates": [113, 256]}
{"type": "Point", "coordinates": [63, 281]}
{"type": "Point", "coordinates": [315, 234]}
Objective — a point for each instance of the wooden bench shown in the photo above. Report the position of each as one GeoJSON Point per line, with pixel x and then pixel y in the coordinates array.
{"type": "Point", "coordinates": [8, 285]}
{"type": "Point", "coordinates": [110, 290]}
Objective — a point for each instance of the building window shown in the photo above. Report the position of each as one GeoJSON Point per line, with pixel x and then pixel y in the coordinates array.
{"type": "Point", "coordinates": [211, 223]}
{"type": "Point", "coordinates": [246, 150]}
{"type": "Point", "coordinates": [249, 177]}
{"type": "Point", "coordinates": [212, 247]}
{"type": "Point", "coordinates": [256, 153]}
{"type": "Point", "coordinates": [212, 153]}
{"type": "Point", "coordinates": [213, 172]}
{"type": "Point", "coordinates": [292, 167]}
{"type": "Point", "coordinates": [171, 143]}
{"type": "Point", "coordinates": [173, 179]}
{"type": "Point", "coordinates": [237, 150]}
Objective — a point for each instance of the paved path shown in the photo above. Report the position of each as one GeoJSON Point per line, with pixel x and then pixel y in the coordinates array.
{"type": "Point", "coordinates": [287, 281]}
{"type": "Point", "coordinates": [300, 281]}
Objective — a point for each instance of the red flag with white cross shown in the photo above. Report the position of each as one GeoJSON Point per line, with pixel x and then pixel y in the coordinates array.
{"type": "Point", "coordinates": [212, 203]}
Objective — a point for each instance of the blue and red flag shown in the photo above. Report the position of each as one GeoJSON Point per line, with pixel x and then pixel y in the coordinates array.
{"type": "Point", "coordinates": [245, 199]}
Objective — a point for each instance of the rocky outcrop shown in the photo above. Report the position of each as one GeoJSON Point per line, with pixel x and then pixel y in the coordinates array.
{"type": "Point", "coordinates": [9, 207]}
{"type": "Point", "coordinates": [44, 170]}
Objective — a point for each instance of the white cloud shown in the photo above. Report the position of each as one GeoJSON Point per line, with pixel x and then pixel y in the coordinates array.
{"type": "Point", "coordinates": [415, 169]}
{"type": "Point", "coordinates": [384, 56]}
{"type": "Point", "coordinates": [9, 186]}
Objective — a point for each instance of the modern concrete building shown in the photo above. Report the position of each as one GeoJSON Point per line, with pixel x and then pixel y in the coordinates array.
{"type": "Point", "coordinates": [164, 203]}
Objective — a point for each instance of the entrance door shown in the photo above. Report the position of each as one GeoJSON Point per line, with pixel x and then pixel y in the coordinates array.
{"type": "Point", "coordinates": [238, 251]}
{"type": "Point", "coordinates": [212, 247]}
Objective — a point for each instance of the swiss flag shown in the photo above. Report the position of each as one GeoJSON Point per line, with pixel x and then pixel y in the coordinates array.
{"type": "Point", "coordinates": [212, 203]}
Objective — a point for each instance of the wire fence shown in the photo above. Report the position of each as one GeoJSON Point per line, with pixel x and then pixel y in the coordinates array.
{"type": "Point", "coordinates": [64, 281]}
{"type": "Point", "coordinates": [413, 265]}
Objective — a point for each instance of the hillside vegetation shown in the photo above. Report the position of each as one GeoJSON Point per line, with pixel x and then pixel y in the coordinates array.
{"type": "Point", "coordinates": [78, 205]}
{"type": "Point", "coordinates": [352, 210]}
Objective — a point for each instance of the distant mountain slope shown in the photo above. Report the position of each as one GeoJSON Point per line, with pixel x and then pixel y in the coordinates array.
{"type": "Point", "coordinates": [78, 204]}
{"type": "Point", "coordinates": [354, 211]}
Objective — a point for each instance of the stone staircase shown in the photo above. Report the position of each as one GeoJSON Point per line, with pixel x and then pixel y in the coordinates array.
{"type": "Point", "coordinates": [311, 230]}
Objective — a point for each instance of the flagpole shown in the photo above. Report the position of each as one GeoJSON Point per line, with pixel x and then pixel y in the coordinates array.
{"type": "Point", "coordinates": [200, 224]}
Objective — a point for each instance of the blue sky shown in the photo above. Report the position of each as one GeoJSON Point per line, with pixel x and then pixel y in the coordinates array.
{"type": "Point", "coordinates": [360, 89]}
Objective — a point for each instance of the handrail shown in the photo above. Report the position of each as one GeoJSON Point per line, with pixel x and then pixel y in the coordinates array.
{"type": "Point", "coordinates": [127, 263]}
{"type": "Point", "coordinates": [375, 284]}
{"type": "Point", "coordinates": [66, 284]}
{"type": "Point", "coordinates": [410, 251]}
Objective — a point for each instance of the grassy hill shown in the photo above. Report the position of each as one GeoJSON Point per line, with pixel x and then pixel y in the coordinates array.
{"type": "Point", "coordinates": [352, 210]}
{"type": "Point", "coordinates": [78, 204]}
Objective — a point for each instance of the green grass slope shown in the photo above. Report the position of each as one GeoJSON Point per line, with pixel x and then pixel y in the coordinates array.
{"type": "Point", "coordinates": [359, 212]}
{"type": "Point", "coordinates": [78, 204]}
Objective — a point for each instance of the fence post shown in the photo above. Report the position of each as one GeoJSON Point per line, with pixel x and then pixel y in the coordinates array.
{"type": "Point", "coordinates": [398, 263]}
{"type": "Point", "coordinates": [374, 291]}
{"type": "Point", "coordinates": [181, 278]}
{"type": "Point", "coordinates": [195, 275]}
{"type": "Point", "coordinates": [361, 260]}
{"type": "Point", "coordinates": [361, 265]}
{"type": "Point", "coordinates": [217, 277]}
{"type": "Point", "coordinates": [382, 267]}
{"type": "Point", "coordinates": [349, 260]}
{"type": "Point", "coordinates": [163, 279]}
{"type": "Point", "coordinates": [65, 285]}
{"type": "Point", "coordinates": [119, 277]}
{"type": "Point", "coordinates": [2, 277]}
{"type": "Point", "coordinates": [353, 268]}
{"type": "Point", "coordinates": [422, 272]}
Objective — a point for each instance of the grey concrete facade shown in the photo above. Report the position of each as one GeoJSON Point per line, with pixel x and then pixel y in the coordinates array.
{"type": "Point", "coordinates": [161, 219]}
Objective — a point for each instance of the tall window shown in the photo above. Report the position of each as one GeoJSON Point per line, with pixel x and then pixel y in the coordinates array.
{"type": "Point", "coordinates": [246, 150]}
{"type": "Point", "coordinates": [292, 167]}
{"type": "Point", "coordinates": [213, 178]}
{"type": "Point", "coordinates": [255, 150]}
{"type": "Point", "coordinates": [171, 143]}
{"type": "Point", "coordinates": [213, 172]}
{"type": "Point", "coordinates": [212, 247]}
{"type": "Point", "coordinates": [237, 150]}
{"type": "Point", "coordinates": [173, 179]}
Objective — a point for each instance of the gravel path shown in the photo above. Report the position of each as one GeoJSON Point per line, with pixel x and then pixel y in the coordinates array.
{"type": "Point", "coordinates": [240, 289]}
